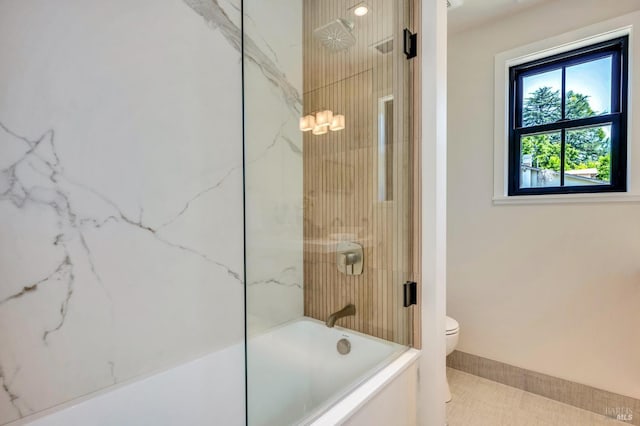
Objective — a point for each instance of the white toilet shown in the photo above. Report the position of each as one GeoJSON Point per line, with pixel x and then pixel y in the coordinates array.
{"type": "Point", "coordinates": [453, 331]}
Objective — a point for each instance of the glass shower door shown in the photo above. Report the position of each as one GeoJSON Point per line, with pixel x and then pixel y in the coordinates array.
{"type": "Point", "coordinates": [328, 165]}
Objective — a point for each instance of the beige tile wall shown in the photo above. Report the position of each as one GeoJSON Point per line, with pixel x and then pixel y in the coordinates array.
{"type": "Point", "coordinates": [340, 176]}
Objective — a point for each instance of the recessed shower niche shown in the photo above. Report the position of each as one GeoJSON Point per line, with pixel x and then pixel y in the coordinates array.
{"type": "Point", "coordinates": [329, 200]}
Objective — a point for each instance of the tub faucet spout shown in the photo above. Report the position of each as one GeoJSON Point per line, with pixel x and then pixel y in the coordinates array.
{"type": "Point", "coordinates": [350, 309]}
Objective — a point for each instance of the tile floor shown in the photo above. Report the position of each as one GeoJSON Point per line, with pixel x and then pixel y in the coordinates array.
{"type": "Point", "coordinates": [481, 402]}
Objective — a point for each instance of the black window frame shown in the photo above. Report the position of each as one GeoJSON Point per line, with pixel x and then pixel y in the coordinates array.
{"type": "Point", "coordinates": [617, 118]}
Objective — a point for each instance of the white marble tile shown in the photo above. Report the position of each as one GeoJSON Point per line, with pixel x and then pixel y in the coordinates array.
{"type": "Point", "coordinates": [120, 195]}
{"type": "Point", "coordinates": [278, 38]}
{"type": "Point", "coordinates": [273, 84]}
{"type": "Point", "coordinates": [274, 206]}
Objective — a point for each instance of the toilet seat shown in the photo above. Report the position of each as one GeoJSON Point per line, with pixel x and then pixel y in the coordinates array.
{"type": "Point", "coordinates": [452, 326]}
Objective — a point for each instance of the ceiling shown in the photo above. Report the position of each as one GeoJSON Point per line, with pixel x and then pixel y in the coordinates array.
{"type": "Point", "coordinates": [476, 12]}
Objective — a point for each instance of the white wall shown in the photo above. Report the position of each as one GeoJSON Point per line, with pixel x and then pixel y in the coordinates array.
{"type": "Point", "coordinates": [120, 194]}
{"type": "Point", "coordinates": [551, 288]}
{"type": "Point", "coordinates": [433, 181]}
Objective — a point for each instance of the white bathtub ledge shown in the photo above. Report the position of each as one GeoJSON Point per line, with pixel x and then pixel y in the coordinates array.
{"type": "Point", "coordinates": [352, 403]}
{"type": "Point", "coordinates": [206, 391]}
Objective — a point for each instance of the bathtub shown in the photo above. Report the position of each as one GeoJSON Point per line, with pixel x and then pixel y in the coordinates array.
{"type": "Point", "coordinates": [297, 377]}
{"type": "Point", "coordinates": [296, 373]}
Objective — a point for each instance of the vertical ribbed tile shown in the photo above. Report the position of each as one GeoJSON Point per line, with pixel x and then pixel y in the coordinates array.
{"type": "Point", "coordinates": [341, 173]}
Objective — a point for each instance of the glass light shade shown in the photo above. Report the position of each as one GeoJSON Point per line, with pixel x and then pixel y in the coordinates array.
{"type": "Point", "coordinates": [323, 118]}
{"type": "Point", "coordinates": [337, 123]}
{"type": "Point", "coordinates": [308, 122]}
{"type": "Point", "coordinates": [320, 130]}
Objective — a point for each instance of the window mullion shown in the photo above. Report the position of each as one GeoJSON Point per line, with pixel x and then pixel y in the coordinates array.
{"type": "Point", "coordinates": [562, 155]}
{"type": "Point", "coordinates": [563, 94]}
{"type": "Point", "coordinates": [567, 124]}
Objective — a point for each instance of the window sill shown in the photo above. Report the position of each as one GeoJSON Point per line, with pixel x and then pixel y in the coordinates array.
{"type": "Point", "coordinates": [567, 199]}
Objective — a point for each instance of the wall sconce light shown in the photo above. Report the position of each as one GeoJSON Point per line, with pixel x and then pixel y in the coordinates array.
{"type": "Point", "coordinates": [320, 130]}
{"type": "Point", "coordinates": [323, 118]}
{"type": "Point", "coordinates": [308, 122]}
{"type": "Point", "coordinates": [321, 122]}
{"type": "Point", "coordinates": [337, 123]}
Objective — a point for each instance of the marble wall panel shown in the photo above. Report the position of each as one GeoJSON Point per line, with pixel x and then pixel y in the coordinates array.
{"type": "Point", "coordinates": [273, 153]}
{"type": "Point", "coordinates": [121, 246]}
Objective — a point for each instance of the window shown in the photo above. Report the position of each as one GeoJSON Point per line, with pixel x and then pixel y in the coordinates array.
{"type": "Point", "coordinates": [568, 122]}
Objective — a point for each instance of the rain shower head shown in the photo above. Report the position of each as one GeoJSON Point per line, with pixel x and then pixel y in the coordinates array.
{"type": "Point", "coordinates": [336, 35]}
